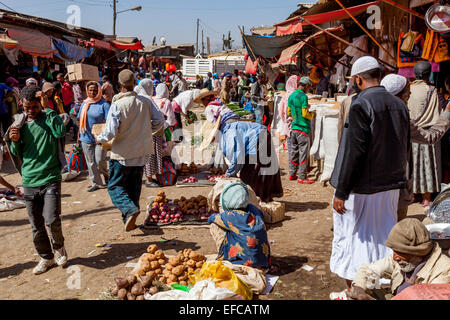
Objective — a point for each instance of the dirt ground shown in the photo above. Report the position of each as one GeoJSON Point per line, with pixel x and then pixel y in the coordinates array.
{"type": "Point", "coordinates": [303, 238]}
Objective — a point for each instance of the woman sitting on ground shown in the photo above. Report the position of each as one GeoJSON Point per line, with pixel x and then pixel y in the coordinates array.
{"type": "Point", "coordinates": [94, 110]}
{"type": "Point", "coordinates": [239, 231]}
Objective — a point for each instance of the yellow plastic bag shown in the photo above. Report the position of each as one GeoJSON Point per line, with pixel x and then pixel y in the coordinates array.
{"type": "Point", "coordinates": [223, 277]}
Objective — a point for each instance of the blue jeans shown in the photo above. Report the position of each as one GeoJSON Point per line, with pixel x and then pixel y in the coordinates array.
{"type": "Point", "coordinates": [259, 114]}
{"type": "Point", "coordinates": [124, 187]}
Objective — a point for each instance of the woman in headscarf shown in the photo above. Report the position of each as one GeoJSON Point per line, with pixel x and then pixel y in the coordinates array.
{"type": "Point", "coordinates": [226, 88]}
{"type": "Point", "coordinates": [154, 163]}
{"type": "Point", "coordinates": [164, 105]}
{"type": "Point", "coordinates": [247, 145]}
{"type": "Point", "coordinates": [400, 87]}
{"type": "Point", "coordinates": [285, 125]}
{"type": "Point", "coordinates": [425, 108]}
{"type": "Point", "coordinates": [94, 110]}
{"type": "Point", "coordinates": [239, 231]}
{"type": "Point", "coordinates": [216, 83]}
{"type": "Point", "coordinates": [181, 105]}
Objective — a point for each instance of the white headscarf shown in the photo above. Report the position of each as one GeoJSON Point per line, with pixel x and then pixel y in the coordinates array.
{"type": "Point", "coordinates": [186, 99]}
{"type": "Point", "coordinates": [163, 103]}
{"type": "Point", "coordinates": [145, 88]}
{"type": "Point", "coordinates": [394, 83]}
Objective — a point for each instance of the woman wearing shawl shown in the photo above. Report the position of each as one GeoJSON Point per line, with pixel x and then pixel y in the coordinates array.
{"type": "Point", "coordinates": [181, 105]}
{"type": "Point", "coordinates": [216, 83]}
{"type": "Point", "coordinates": [285, 125]}
{"type": "Point", "coordinates": [400, 87]}
{"type": "Point", "coordinates": [94, 110]}
{"type": "Point", "coordinates": [425, 108]}
{"type": "Point", "coordinates": [154, 163]}
{"type": "Point", "coordinates": [247, 145]}
{"type": "Point", "coordinates": [239, 232]}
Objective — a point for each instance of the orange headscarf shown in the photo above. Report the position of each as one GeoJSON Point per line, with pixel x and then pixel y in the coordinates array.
{"type": "Point", "coordinates": [88, 102]}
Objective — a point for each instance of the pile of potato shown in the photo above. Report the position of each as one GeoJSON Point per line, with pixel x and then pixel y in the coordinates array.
{"type": "Point", "coordinates": [178, 269]}
{"type": "Point", "coordinates": [193, 206]}
{"type": "Point", "coordinates": [160, 200]}
{"type": "Point", "coordinates": [134, 288]}
{"type": "Point", "coordinates": [186, 170]}
{"type": "Point", "coordinates": [216, 171]}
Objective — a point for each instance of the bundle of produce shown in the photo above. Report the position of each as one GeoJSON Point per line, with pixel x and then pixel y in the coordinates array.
{"type": "Point", "coordinates": [178, 269]}
{"type": "Point", "coordinates": [190, 180]}
{"type": "Point", "coordinates": [134, 287]}
{"type": "Point", "coordinates": [197, 206]}
{"type": "Point", "coordinates": [192, 116]}
{"type": "Point", "coordinates": [160, 212]}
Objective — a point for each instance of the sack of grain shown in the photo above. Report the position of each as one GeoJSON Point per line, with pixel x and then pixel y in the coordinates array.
{"type": "Point", "coordinates": [273, 211]}
{"type": "Point", "coordinates": [97, 129]}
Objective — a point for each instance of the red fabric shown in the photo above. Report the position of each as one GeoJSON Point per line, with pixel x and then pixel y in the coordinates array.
{"type": "Point", "coordinates": [251, 66]}
{"type": "Point", "coordinates": [32, 42]}
{"type": "Point", "coordinates": [425, 292]}
{"type": "Point", "coordinates": [291, 26]}
{"type": "Point", "coordinates": [67, 94]}
{"type": "Point", "coordinates": [133, 46]}
{"type": "Point", "coordinates": [101, 44]}
{"type": "Point", "coordinates": [176, 107]}
{"type": "Point", "coordinates": [290, 29]}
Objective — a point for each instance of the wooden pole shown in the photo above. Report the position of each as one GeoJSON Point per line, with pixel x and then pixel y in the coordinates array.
{"type": "Point", "coordinates": [365, 30]}
{"type": "Point", "coordinates": [325, 54]}
{"type": "Point", "coordinates": [248, 46]}
{"type": "Point", "coordinates": [346, 42]}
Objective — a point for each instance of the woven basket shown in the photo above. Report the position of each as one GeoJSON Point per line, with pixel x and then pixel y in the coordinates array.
{"type": "Point", "coordinates": [273, 211]}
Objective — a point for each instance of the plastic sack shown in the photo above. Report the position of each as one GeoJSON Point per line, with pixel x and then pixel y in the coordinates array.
{"type": "Point", "coordinates": [202, 290]}
{"type": "Point", "coordinates": [254, 278]}
{"type": "Point", "coordinates": [223, 277]}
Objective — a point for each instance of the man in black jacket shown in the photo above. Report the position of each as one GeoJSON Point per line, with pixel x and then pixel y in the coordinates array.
{"type": "Point", "coordinates": [370, 170]}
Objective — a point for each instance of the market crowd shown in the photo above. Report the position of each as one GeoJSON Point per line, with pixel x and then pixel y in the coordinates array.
{"type": "Point", "coordinates": [390, 130]}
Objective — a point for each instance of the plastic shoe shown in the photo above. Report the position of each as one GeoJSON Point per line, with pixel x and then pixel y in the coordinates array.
{"type": "Point", "coordinates": [43, 266]}
{"type": "Point", "coordinates": [61, 257]}
{"type": "Point", "coordinates": [305, 181]}
{"type": "Point", "coordinates": [293, 178]}
{"type": "Point", "coordinates": [131, 222]}
{"type": "Point", "coordinates": [339, 295]}
{"type": "Point", "coordinates": [93, 188]}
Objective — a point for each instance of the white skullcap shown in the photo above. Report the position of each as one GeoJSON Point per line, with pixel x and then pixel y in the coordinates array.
{"type": "Point", "coordinates": [32, 81]}
{"type": "Point", "coordinates": [364, 64]}
{"type": "Point", "coordinates": [394, 83]}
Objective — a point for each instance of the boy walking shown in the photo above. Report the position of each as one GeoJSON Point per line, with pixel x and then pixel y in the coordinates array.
{"type": "Point", "coordinates": [34, 143]}
{"type": "Point", "coordinates": [301, 128]}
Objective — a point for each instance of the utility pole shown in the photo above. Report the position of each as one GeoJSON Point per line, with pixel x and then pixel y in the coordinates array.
{"type": "Point", "coordinates": [203, 45]}
{"type": "Point", "coordinates": [198, 25]}
{"type": "Point", "coordinates": [114, 16]}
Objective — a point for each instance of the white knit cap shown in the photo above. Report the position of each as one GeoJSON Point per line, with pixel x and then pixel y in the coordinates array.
{"type": "Point", "coordinates": [394, 83]}
{"type": "Point", "coordinates": [364, 64]}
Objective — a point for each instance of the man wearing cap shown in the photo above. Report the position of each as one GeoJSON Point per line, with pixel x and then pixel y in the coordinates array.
{"type": "Point", "coordinates": [129, 124]}
{"type": "Point", "coordinates": [301, 128]}
{"type": "Point", "coordinates": [415, 260]}
{"type": "Point", "coordinates": [369, 171]}
{"type": "Point", "coordinates": [399, 87]}
{"type": "Point", "coordinates": [258, 97]}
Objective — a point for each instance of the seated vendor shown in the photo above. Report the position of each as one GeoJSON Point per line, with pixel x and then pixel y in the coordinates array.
{"type": "Point", "coordinates": [415, 260]}
{"type": "Point", "coordinates": [239, 231]}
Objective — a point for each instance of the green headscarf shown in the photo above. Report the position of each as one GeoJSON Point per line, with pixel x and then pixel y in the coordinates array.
{"type": "Point", "coordinates": [235, 196]}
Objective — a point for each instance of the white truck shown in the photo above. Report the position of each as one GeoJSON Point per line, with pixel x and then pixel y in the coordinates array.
{"type": "Point", "coordinates": [201, 67]}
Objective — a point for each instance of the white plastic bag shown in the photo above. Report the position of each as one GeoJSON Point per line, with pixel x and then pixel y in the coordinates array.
{"type": "Point", "coordinates": [202, 290]}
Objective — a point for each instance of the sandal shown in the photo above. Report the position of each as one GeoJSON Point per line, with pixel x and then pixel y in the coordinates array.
{"type": "Point", "coordinates": [152, 185]}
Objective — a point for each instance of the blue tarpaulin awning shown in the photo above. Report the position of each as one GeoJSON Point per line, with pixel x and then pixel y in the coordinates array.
{"type": "Point", "coordinates": [70, 52]}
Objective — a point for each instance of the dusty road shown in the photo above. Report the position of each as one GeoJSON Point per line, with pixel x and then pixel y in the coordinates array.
{"type": "Point", "coordinates": [90, 218]}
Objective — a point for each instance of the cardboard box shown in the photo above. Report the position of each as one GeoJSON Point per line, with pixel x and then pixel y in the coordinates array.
{"type": "Point", "coordinates": [97, 129]}
{"type": "Point", "coordinates": [82, 72]}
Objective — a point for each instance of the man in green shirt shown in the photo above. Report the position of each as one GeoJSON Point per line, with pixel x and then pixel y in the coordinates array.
{"type": "Point", "coordinates": [301, 128]}
{"type": "Point", "coordinates": [34, 142]}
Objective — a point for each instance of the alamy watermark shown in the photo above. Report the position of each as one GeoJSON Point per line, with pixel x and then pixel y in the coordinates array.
{"type": "Point", "coordinates": [74, 19]}
{"type": "Point", "coordinates": [74, 281]}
